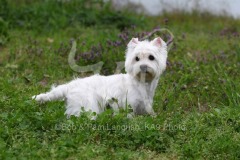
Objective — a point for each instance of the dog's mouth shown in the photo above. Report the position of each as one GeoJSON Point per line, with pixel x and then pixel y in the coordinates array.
{"type": "Point", "coordinates": [145, 76]}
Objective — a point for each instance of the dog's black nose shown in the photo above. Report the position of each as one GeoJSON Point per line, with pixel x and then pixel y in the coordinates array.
{"type": "Point", "coordinates": [143, 68]}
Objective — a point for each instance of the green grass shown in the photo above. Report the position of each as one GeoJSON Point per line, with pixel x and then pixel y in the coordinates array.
{"type": "Point", "coordinates": [197, 101]}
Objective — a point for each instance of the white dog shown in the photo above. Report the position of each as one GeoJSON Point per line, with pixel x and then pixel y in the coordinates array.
{"type": "Point", "coordinates": [145, 62]}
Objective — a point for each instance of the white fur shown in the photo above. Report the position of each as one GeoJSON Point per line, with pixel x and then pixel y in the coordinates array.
{"type": "Point", "coordinates": [135, 88]}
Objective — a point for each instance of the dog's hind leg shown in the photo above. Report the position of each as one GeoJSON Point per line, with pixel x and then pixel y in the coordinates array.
{"type": "Point", "coordinates": [83, 101]}
{"type": "Point", "coordinates": [56, 93]}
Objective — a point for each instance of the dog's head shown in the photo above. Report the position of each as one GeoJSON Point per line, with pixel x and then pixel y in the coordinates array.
{"type": "Point", "coordinates": [146, 60]}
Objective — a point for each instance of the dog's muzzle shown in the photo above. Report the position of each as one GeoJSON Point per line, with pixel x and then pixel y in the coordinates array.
{"type": "Point", "coordinates": [146, 74]}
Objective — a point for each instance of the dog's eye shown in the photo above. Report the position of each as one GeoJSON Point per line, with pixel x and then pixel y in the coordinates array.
{"type": "Point", "coordinates": [151, 57]}
{"type": "Point", "coordinates": [137, 59]}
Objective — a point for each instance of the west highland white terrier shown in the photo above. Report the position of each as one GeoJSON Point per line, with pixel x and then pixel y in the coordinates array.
{"type": "Point", "coordinates": [145, 62]}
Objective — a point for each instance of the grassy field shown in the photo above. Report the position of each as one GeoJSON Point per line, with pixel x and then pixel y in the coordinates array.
{"type": "Point", "coordinates": [197, 101]}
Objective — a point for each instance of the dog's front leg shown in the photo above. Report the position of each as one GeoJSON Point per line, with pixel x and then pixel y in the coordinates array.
{"type": "Point", "coordinates": [149, 109]}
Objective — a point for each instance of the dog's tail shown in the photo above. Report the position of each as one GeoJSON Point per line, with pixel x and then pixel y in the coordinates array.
{"type": "Point", "coordinates": [56, 93]}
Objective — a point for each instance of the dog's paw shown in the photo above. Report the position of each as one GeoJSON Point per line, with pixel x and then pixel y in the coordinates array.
{"type": "Point", "coordinates": [154, 115]}
{"type": "Point", "coordinates": [130, 115]}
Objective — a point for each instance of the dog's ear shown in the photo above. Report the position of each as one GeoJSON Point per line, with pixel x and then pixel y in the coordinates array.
{"type": "Point", "coordinates": [133, 43]}
{"type": "Point", "coordinates": [157, 42]}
